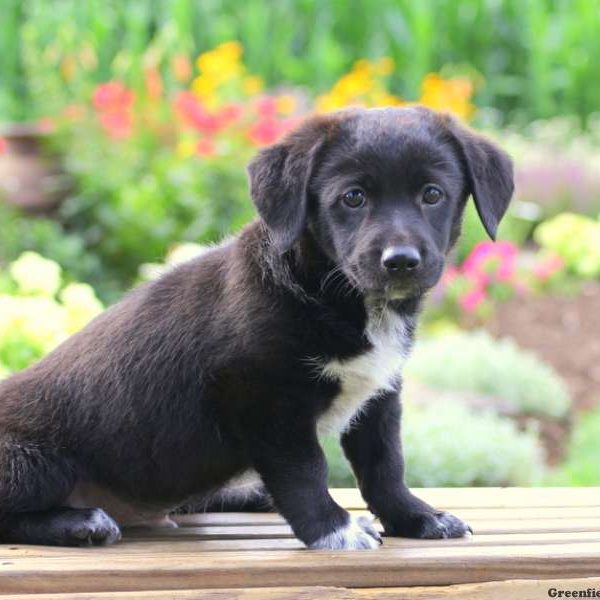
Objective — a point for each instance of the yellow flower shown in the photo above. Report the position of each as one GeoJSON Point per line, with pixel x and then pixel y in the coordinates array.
{"type": "Point", "coordinates": [252, 85]}
{"type": "Point", "coordinates": [204, 86]}
{"type": "Point", "coordinates": [35, 274]}
{"type": "Point", "coordinates": [81, 305]}
{"type": "Point", "coordinates": [221, 63]}
{"type": "Point", "coordinates": [329, 102]}
{"type": "Point", "coordinates": [384, 98]}
{"type": "Point", "coordinates": [448, 94]}
{"type": "Point", "coordinates": [286, 104]}
{"type": "Point", "coordinates": [186, 148]}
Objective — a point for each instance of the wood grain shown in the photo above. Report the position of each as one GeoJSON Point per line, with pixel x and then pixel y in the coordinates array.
{"type": "Point", "coordinates": [524, 534]}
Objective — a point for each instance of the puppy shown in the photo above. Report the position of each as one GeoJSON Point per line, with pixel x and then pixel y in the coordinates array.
{"type": "Point", "coordinates": [236, 363]}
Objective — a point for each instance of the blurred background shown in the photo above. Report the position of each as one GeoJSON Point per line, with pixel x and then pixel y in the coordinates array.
{"type": "Point", "coordinates": [126, 127]}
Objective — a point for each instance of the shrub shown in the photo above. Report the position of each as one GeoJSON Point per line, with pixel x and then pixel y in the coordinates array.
{"type": "Point", "coordinates": [38, 310]}
{"type": "Point", "coordinates": [476, 362]}
{"type": "Point", "coordinates": [576, 239]}
{"type": "Point", "coordinates": [581, 467]}
{"type": "Point", "coordinates": [157, 163]}
{"type": "Point", "coordinates": [489, 451]}
{"type": "Point", "coordinates": [20, 233]}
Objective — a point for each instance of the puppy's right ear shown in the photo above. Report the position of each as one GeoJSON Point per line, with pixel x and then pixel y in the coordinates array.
{"type": "Point", "coordinates": [279, 181]}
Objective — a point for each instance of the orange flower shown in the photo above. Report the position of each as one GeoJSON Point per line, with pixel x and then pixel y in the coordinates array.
{"type": "Point", "coordinates": [206, 147]}
{"type": "Point", "coordinates": [181, 66]}
{"type": "Point", "coordinates": [154, 83]}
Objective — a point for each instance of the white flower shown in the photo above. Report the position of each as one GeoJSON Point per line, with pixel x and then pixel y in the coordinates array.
{"type": "Point", "coordinates": [81, 305]}
{"type": "Point", "coordinates": [35, 274]}
{"type": "Point", "coordinates": [184, 252]}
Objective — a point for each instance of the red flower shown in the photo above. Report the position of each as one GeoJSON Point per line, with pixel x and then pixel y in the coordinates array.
{"type": "Point", "coordinates": [112, 95]}
{"type": "Point", "coordinates": [267, 106]}
{"type": "Point", "coordinates": [117, 123]}
{"type": "Point", "coordinates": [206, 147]}
{"type": "Point", "coordinates": [548, 267]}
{"type": "Point", "coordinates": [193, 114]}
{"type": "Point", "coordinates": [230, 113]}
{"type": "Point", "coordinates": [266, 131]}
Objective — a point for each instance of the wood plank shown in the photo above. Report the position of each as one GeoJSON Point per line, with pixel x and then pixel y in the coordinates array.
{"type": "Point", "coordinates": [519, 589]}
{"type": "Point", "coordinates": [512, 513]}
{"type": "Point", "coordinates": [455, 498]}
{"type": "Point", "coordinates": [134, 547]}
{"type": "Point", "coordinates": [400, 567]}
{"type": "Point", "coordinates": [288, 593]}
{"type": "Point", "coordinates": [275, 531]}
{"type": "Point", "coordinates": [514, 589]}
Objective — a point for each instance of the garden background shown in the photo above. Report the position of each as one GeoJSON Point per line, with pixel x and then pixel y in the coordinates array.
{"type": "Point", "coordinates": [127, 127]}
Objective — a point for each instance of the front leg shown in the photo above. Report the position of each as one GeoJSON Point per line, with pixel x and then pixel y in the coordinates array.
{"type": "Point", "coordinates": [373, 447]}
{"type": "Point", "coordinates": [293, 469]}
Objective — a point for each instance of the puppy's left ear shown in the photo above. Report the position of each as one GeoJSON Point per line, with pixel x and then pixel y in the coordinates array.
{"type": "Point", "coordinates": [280, 177]}
{"type": "Point", "coordinates": [489, 173]}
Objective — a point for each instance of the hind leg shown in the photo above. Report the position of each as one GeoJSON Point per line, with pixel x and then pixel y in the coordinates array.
{"type": "Point", "coordinates": [60, 527]}
{"type": "Point", "coordinates": [34, 482]}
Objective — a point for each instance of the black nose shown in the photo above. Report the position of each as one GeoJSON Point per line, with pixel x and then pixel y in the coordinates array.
{"type": "Point", "coordinates": [400, 258]}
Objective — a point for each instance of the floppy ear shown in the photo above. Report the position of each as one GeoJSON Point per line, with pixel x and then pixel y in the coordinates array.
{"type": "Point", "coordinates": [279, 181]}
{"type": "Point", "coordinates": [490, 175]}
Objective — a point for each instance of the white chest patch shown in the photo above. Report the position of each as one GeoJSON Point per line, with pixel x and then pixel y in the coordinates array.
{"type": "Point", "coordinates": [368, 374]}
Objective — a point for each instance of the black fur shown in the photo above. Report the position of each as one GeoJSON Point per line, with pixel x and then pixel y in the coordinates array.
{"type": "Point", "coordinates": [208, 372]}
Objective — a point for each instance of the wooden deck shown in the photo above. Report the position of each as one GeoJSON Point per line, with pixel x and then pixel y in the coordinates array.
{"type": "Point", "coordinates": [526, 541]}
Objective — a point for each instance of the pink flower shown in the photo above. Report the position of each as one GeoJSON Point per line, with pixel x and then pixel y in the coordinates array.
{"type": "Point", "coordinates": [192, 113]}
{"type": "Point", "coordinates": [206, 147]}
{"type": "Point", "coordinates": [472, 299]}
{"type": "Point", "coordinates": [267, 107]}
{"type": "Point", "coordinates": [230, 113]}
{"type": "Point", "coordinates": [548, 267]}
{"type": "Point", "coordinates": [266, 131]}
{"type": "Point", "coordinates": [489, 260]}
{"type": "Point", "coordinates": [2, 145]}
{"type": "Point", "coordinates": [118, 124]}
{"type": "Point", "coordinates": [112, 95]}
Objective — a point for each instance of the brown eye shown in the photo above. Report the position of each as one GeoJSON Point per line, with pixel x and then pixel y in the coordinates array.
{"type": "Point", "coordinates": [432, 194]}
{"type": "Point", "coordinates": [354, 198]}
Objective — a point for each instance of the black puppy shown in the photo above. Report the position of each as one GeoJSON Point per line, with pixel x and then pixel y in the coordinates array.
{"type": "Point", "coordinates": [237, 361]}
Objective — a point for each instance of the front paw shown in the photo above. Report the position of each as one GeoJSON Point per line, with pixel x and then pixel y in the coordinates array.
{"type": "Point", "coordinates": [429, 525]}
{"type": "Point", "coordinates": [358, 534]}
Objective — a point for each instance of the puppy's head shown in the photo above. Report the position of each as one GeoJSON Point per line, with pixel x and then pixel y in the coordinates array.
{"type": "Point", "coordinates": [381, 191]}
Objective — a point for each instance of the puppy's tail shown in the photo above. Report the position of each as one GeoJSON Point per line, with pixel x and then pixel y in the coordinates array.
{"type": "Point", "coordinates": [242, 498]}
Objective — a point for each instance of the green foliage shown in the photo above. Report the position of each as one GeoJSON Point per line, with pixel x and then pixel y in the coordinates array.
{"type": "Point", "coordinates": [536, 58]}
{"type": "Point", "coordinates": [582, 466]}
{"type": "Point", "coordinates": [489, 450]}
{"type": "Point", "coordinates": [475, 362]}
{"type": "Point", "coordinates": [147, 199]}
{"type": "Point", "coordinates": [21, 232]}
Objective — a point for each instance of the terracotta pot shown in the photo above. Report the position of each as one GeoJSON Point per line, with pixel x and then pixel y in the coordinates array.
{"type": "Point", "coordinates": [30, 178]}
